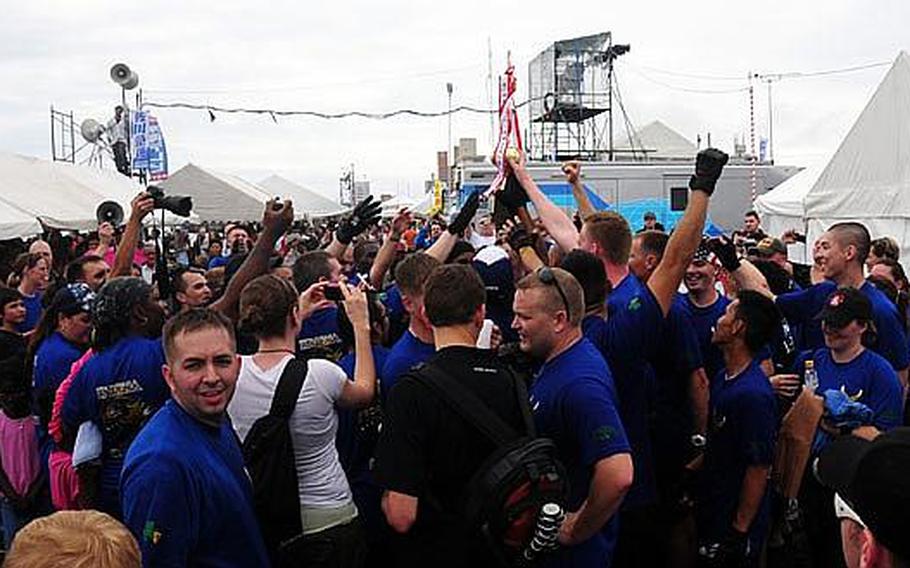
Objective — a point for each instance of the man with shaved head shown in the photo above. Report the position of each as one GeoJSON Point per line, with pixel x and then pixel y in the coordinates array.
{"type": "Point", "coordinates": [840, 253]}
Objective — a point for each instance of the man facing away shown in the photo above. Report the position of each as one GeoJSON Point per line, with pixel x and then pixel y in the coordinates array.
{"type": "Point", "coordinates": [427, 452]}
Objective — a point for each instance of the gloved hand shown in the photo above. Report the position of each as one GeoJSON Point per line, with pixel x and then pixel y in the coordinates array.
{"type": "Point", "coordinates": [463, 217]}
{"type": "Point", "coordinates": [708, 165]}
{"type": "Point", "coordinates": [520, 238]}
{"type": "Point", "coordinates": [725, 251]}
{"type": "Point", "coordinates": [731, 552]}
{"type": "Point", "coordinates": [365, 214]}
{"type": "Point", "coordinates": [512, 195]}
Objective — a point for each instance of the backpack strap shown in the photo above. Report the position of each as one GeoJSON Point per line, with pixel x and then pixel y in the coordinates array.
{"type": "Point", "coordinates": [468, 405]}
{"type": "Point", "coordinates": [288, 390]}
{"type": "Point", "coordinates": [524, 403]}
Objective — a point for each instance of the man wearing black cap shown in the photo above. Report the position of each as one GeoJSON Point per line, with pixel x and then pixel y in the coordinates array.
{"type": "Point", "coordinates": [772, 249]}
{"type": "Point", "coordinates": [870, 479]}
{"type": "Point", "coordinates": [651, 223]}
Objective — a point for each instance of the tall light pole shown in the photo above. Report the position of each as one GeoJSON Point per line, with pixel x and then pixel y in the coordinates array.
{"type": "Point", "coordinates": [449, 149]}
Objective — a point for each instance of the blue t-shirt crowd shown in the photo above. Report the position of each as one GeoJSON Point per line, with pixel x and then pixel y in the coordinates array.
{"type": "Point", "coordinates": [695, 379]}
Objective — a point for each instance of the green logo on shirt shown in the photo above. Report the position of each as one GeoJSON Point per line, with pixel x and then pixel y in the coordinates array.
{"type": "Point", "coordinates": [149, 534]}
{"type": "Point", "coordinates": [604, 433]}
{"type": "Point", "coordinates": [634, 304]}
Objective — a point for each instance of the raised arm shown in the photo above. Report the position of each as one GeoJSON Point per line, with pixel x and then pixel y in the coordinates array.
{"type": "Point", "coordinates": [573, 176]}
{"type": "Point", "coordinates": [441, 249]}
{"type": "Point", "coordinates": [686, 237]}
{"type": "Point", "coordinates": [366, 213]}
{"type": "Point", "coordinates": [142, 205]}
{"type": "Point", "coordinates": [386, 254]}
{"type": "Point", "coordinates": [554, 219]}
{"type": "Point", "coordinates": [275, 221]}
{"type": "Point", "coordinates": [744, 273]}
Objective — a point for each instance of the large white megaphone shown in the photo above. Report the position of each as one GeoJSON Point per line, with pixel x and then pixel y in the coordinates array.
{"type": "Point", "coordinates": [124, 76]}
{"type": "Point", "coordinates": [91, 130]}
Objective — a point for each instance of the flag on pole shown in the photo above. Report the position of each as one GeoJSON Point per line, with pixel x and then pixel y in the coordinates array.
{"type": "Point", "coordinates": [509, 132]}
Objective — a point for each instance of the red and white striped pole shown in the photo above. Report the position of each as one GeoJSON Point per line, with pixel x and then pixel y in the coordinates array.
{"type": "Point", "coordinates": [754, 158]}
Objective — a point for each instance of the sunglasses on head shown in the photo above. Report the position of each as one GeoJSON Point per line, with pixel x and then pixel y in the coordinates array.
{"type": "Point", "coordinates": [546, 275]}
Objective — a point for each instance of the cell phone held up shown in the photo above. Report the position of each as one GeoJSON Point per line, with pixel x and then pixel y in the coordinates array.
{"type": "Point", "coordinates": [333, 292]}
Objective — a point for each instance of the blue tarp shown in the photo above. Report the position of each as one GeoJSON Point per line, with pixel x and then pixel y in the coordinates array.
{"type": "Point", "coordinates": [561, 195]}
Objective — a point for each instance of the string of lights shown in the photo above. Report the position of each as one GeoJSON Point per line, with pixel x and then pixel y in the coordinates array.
{"type": "Point", "coordinates": [274, 113]}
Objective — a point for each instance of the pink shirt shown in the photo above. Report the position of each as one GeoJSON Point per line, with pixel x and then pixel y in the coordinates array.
{"type": "Point", "coordinates": [55, 427]}
{"type": "Point", "coordinates": [19, 451]}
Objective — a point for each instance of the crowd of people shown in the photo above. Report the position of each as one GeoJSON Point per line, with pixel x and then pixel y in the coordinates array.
{"type": "Point", "coordinates": [491, 389]}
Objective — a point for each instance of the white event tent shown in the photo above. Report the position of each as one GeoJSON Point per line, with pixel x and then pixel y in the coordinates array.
{"type": "Point", "coordinates": [867, 178]}
{"type": "Point", "coordinates": [306, 201]}
{"type": "Point", "coordinates": [218, 196]}
{"type": "Point", "coordinates": [59, 195]}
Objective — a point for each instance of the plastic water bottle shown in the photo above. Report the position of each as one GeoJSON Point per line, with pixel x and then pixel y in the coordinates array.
{"type": "Point", "coordinates": [810, 377]}
{"type": "Point", "coordinates": [549, 522]}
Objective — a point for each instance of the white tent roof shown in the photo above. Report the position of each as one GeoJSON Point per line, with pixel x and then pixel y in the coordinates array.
{"type": "Point", "coordinates": [390, 207]}
{"type": "Point", "coordinates": [218, 196]}
{"type": "Point", "coordinates": [868, 178]}
{"type": "Point", "coordinates": [663, 141]}
{"type": "Point", "coordinates": [306, 201]}
{"type": "Point", "coordinates": [869, 175]}
{"type": "Point", "coordinates": [61, 195]}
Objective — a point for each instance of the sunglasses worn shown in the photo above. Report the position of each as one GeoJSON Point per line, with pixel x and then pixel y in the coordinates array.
{"type": "Point", "coordinates": [548, 277]}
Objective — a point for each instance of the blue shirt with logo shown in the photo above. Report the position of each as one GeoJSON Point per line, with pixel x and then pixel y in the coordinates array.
{"type": "Point", "coordinates": [741, 434]}
{"type": "Point", "coordinates": [868, 379]}
{"type": "Point", "coordinates": [318, 337]}
{"type": "Point", "coordinates": [187, 497]}
{"type": "Point", "coordinates": [629, 340]}
{"type": "Point", "coordinates": [574, 403]}
{"type": "Point", "coordinates": [118, 389]}
{"type": "Point", "coordinates": [803, 306]}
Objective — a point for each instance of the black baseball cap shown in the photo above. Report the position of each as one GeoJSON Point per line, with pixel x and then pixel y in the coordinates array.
{"type": "Point", "coordinates": [845, 305]}
{"type": "Point", "coordinates": [650, 215]}
{"type": "Point", "coordinates": [871, 477]}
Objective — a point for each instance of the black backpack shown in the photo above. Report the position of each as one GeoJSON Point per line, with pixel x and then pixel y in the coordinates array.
{"type": "Point", "coordinates": [268, 452]}
{"type": "Point", "coordinates": [504, 497]}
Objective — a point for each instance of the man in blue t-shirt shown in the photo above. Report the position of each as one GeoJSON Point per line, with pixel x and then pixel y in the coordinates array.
{"type": "Point", "coordinates": [416, 345]}
{"type": "Point", "coordinates": [574, 403]}
{"type": "Point", "coordinates": [733, 507]}
{"type": "Point", "coordinates": [704, 306]}
{"type": "Point", "coordinates": [121, 386]}
{"type": "Point", "coordinates": [186, 495]}
{"type": "Point", "coordinates": [840, 253]}
{"type": "Point", "coordinates": [636, 312]}
{"type": "Point", "coordinates": [318, 337]}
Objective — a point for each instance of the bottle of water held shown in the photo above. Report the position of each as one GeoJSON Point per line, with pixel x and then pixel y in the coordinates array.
{"type": "Point", "coordinates": [810, 377]}
{"type": "Point", "coordinates": [547, 530]}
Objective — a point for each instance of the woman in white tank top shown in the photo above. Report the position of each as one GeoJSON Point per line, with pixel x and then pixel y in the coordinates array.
{"type": "Point", "coordinates": [271, 311]}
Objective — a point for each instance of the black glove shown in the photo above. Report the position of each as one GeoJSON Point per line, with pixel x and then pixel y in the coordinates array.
{"type": "Point", "coordinates": [468, 210]}
{"type": "Point", "coordinates": [708, 165]}
{"type": "Point", "coordinates": [365, 214]}
{"type": "Point", "coordinates": [725, 251]}
{"type": "Point", "coordinates": [512, 195]}
{"type": "Point", "coordinates": [734, 549]}
{"type": "Point", "coordinates": [519, 237]}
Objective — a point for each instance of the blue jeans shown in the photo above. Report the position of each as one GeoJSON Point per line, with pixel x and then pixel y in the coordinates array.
{"type": "Point", "coordinates": [12, 521]}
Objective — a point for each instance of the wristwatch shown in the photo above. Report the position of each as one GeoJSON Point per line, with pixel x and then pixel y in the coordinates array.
{"type": "Point", "coordinates": [698, 441]}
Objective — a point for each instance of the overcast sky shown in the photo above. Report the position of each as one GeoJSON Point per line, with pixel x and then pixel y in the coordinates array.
{"type": "Point", "coordinates": [380, 56]}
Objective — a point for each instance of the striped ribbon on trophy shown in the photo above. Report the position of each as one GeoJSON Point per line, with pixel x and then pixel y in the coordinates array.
{"type": "Point", "coordinates": [509, 133]}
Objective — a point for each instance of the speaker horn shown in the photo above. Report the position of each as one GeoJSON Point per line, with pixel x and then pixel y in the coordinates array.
{"type": "Point", "coordinates": [110, 212]}
{"type": "Point", "coordinates": [124, 76]}
{"type": "Point", "coordinates": [91, 130]}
